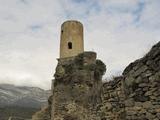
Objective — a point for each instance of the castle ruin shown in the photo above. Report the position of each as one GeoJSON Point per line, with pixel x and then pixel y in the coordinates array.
{"type": "Point", "coordinates": [78, 92]}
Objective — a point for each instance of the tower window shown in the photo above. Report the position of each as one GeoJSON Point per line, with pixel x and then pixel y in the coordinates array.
{"type": "Point", "coordinates": [69, 45]}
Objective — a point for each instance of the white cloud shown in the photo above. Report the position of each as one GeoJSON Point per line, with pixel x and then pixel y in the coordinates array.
{"type": "Point", "coordinates": [120, 31]}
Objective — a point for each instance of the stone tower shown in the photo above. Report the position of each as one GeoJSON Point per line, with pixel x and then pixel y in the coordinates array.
{"type": "Point", "coordinates": [71, 43]}
{"type": "Point", "coordinates": [76, 89]}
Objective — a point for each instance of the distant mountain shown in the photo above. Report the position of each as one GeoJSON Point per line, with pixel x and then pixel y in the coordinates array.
{"type": "Point", "coordinates": [23, 96]}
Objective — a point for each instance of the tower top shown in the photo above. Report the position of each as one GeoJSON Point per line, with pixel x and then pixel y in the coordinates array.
{"type": "Point", "coordinates": [71, 42]}
{"type": "Point", "coordinates": [71, 21]}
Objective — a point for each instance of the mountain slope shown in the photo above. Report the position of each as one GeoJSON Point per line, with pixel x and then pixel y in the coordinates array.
{"type": "Point", "coordinates": [23, 96]}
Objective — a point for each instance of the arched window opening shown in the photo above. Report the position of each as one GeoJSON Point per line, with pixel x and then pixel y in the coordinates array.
{"type": "Point", "coordinates": [69, 45]}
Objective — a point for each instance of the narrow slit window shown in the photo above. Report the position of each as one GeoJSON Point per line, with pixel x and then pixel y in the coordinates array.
{"type": "Point", "coordinates": [69, 45]}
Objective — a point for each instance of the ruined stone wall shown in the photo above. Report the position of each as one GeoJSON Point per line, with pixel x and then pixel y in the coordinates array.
{"type": "Point", "coordinates": [136, 94]}
{"type": "Point", "coordinates": [79, 94]}
{"type": "Point", "coordinates": [142, 87]}
{"type": "Point", "coordinates": [113, 100]}
{"type": "Point", "coordinates": [77, 88]}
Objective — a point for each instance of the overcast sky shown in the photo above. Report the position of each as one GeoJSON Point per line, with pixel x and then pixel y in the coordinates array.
{"type": "Point", "coordinates": [120, 31]}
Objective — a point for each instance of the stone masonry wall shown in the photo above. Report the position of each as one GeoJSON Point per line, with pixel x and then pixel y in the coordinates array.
{"type": "Point", "coordinates": [113, 100]}
{"type": "Point", "coordinates": [142, 87]}
{"type": "Point", "coordinates": [136, 94]}
{"type": "Point", "coordinates": [77, 88]}
{"type": "Point", "coordinates": [79, 94]}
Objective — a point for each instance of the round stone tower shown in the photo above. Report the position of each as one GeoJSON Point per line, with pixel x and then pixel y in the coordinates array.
{"type": "Point", "coordinates": [71, 43]}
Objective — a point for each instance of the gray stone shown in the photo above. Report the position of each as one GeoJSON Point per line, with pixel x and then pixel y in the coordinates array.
{"type": "Point", "coordinates": [158, 115]}
{"type": "Point", "coordinates": [143, 85]}
{"type": "Point", "coordinates": [150, 116]}
{"type": "Point", "coordinates": [148, 93]}
{"type": "Point", "coordinates": [129, 81]}
{"type": "Point", "coordinates": [140, 70]}
{"type": "Point", "coordinates": [129, 102]}
{"type": "Point", "coordinates": [147, 104]}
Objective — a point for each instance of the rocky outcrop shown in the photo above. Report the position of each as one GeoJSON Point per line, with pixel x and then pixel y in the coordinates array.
{"type": "Point", "coordinates": [79, 94]}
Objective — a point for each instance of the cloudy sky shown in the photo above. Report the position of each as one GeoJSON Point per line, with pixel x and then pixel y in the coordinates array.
{"type": "Point", "coordinates": [120, 31]}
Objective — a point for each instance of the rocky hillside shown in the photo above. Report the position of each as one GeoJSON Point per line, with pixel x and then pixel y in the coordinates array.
{"type": "Point", "coordinates": [11, 95]}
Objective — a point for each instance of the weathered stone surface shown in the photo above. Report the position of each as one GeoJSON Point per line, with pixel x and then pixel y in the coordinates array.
{"type": "Point", "coordinates": [79, 94]}
{"type": "Point", "coordinates": [77, 88]}
{"type": "Point", "coordinates": [140, 87]}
